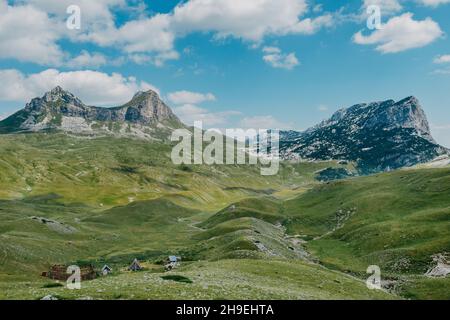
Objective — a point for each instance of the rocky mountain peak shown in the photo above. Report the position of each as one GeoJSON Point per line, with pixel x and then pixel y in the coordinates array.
{"type": "Point", "coordinates": [378, 136]}
{"type": "Point", "coordinates": [62, 110]}
{"type": "Point", "coordinates": [148, 93]}
{"type": "Point", "coordinates": [57, 90]}
{"type": "Point", "coordinates": [406, 113]}
{"type": "Point", "coordinates": [58, 93]}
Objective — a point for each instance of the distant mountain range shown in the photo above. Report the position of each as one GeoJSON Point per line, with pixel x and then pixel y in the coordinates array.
{"type": "Point", "coordinates": [377, 136]}
{"type": "Point", "coordinates": [145, 116]}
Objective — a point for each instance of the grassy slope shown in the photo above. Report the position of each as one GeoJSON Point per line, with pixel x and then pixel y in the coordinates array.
{"type": "Point", "coordinates": [109, 200]}
{"type": "Point", "coordinates": [126, 199]}
{"type": "Point", "coordinates": [106, 172]}
{"type": "Point", "coordinates": [396, 220]}
{"type": "Point", "coordinates": [225, 279]}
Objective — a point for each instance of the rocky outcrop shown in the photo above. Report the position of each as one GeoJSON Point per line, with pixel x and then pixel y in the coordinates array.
{"type": "Point", "coordinates": [61, 110]}
{"type": "Point", "coordinates": [377, 136]}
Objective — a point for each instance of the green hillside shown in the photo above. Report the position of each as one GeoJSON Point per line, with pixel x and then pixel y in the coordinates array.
{"type": "Point", "coordinates": [96, 200]}
{"type": "Point", "coordinates": [397, 221]}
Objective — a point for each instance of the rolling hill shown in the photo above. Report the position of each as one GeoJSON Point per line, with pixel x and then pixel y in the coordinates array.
{"type": "Point", "coordinates": [104, 196]}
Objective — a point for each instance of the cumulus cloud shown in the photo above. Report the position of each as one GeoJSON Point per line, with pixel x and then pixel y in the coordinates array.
{"type": "Point", "coordinates": [156, 59]}
{"type": "Point", "coordinates": [445, 58]}
{"type": "Point", "coordinates": [92, 87]}
{"type": "Point", "coordinates": [310, 26]}
{"type": "Point", "coordinates": [250, 20]}
{"type": "Point", "coordinates": [277, 59]}
{"type": "Point", "coordinates": [148, 39]}
{"type": "Point", "coordinates": [28, 34]}
{"type": "Point", "coordinates": [189, 113]}
{"type": "Point", "coordinates": [96, 15]}
{"type": "Point", "coordinates": [189, 97]}
{"type": "Point", "coordinates": [30, 31]}
{"type": "Point", "coordinates": [137, 36]}
{"type": "Point", "coordinates": [86, 59]}
{"type": "Point", "coordinates": [401, 33]}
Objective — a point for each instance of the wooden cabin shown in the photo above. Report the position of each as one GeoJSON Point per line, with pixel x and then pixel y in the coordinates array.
{"type": "Point", "coordinates": [59, 272]}
{"type": "Point", "coordinates": [135, 266]}
{"type": "Point", "coordinates": [106, 270]}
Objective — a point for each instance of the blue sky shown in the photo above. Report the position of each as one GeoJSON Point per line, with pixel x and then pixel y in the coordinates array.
{"type": "Point", "coordinates": [255, 63]}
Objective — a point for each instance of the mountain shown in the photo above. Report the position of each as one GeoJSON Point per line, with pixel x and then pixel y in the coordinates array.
{"type": "Point", "coordinates": [145, 116]}
{"type": "Point", "coordinates": [378, 136]}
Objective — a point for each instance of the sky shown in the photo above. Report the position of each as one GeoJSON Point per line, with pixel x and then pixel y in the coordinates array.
{"type": "Point", "coordinates": [284, 64]}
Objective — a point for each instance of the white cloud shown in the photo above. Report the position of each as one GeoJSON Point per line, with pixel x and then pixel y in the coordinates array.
{"type": "Point", "coordinates": [274, 57]}
{"type": "Point", "coordinates": [263, 122]}
{"type": "Point", "coordinates": [188, 97]}
{"type": "Point", "coordinates": [188, 110]}
{"type": "Point", "coordinates": [445, 58]}
{"type": "Point", "coordinates": [86, 59]}
{"type": "Point", "coordinates": [433, 3]}
{"type": "Point", "coordinates": [250, 20]}
{"type": "Point", "coordinates": [140, 58]}
{"type": "Point", "coordinates": [401, 33]}
{"type": "Point", "coordinates": [310, 26]}
{"type": "Point", "coordinates": [30, 31]}
{"type": "Point", "coordinates": [189, 113]}
{"type": "Point", "coordinates": [148, 39]}
{"type": "Point", "coordinates": [92, 87]}
{"type": "Point", "coordinates": [318, 8]}
{"type": "Point", "coordinates": [386, 6]}
{"type": "Point", "coordinates": [95, 15]}
{"type": "Point", "coordinates": [28, 34]}
{"type": "Point", "coordinates": [158, 60]}
{"type": "Point", "coordinates": [144, 35]}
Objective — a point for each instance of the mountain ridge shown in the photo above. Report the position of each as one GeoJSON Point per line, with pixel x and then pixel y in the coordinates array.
{"type": "Point", "coordinates": [378, 136]}
{"type": "Point", "coordinates": [61, 110]}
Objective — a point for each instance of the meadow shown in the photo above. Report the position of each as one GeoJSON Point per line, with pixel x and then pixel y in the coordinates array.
{"type": "Point", "coordinates": [104, 200]}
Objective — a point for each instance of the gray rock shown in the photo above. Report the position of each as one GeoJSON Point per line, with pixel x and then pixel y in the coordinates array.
{"type": "Point", "coordinates": [378, 136]}
{"type": "Point", "coordinates": [61, 110]}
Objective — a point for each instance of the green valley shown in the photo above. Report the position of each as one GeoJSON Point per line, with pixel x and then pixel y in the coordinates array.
{"type": "Point", "coordinates": [104, 200]}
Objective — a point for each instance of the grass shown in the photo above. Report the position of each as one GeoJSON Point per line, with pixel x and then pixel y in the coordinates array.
{"type": "Point", "coordinates": [108, 172]}
{"type": "Point", "coordinates": [225, 279]}
{"type": "Point", "coordinates": [73, 200]}
{"type": "Point", "coordinates": [397, 221]}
